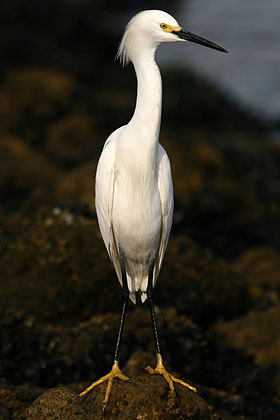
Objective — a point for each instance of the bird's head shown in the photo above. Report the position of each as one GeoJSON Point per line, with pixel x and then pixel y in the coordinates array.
{"type": "Point", "coordinates": [152, 27]}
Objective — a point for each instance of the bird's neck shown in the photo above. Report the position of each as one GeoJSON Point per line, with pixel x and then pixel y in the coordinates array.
{"type": "Point", "coordinates": [147, 115]}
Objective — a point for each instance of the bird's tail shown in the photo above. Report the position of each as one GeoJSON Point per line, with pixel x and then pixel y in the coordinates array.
{"type": "Point", "coordinates": [137, 284]}
{"type": "Point", "coordinates": [136, 281]}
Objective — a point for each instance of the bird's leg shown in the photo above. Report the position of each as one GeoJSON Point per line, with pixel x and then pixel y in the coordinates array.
{"type": "Point", "coordinates": [115, 371]}
{"type": "Point", "coordinates": [125, 294]}
{"type": "Point", "coordinates": [160, 369]}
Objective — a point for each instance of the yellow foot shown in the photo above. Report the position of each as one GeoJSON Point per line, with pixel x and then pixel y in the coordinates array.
{"type": "Point", "coordinates": [160, 370]}
{"type": "Point", "coordinates": [115, 373]}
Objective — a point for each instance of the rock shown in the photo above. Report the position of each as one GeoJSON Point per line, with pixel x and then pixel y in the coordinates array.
{"type": "Point", "coordinates": [244, 333]}
{"type": "Point", "coordinates": [77, 186]}
{"type": "Point", "coordinates": [198, 283]}
{"type": "Point", "coordinates": [51, 354]}
{"type": "Point", "coordinates": [68, 243]}
{"type": "Point", "coordinates": [15, 401]}
{"type": "Point", "coordinates": [136, 362]}
{"type": "Point", "coordinates": [260, 267]}
{"type": "Point", "coordinates": [220, 193]}
{"type": "Point", "coordinates": [4, 413]}
{"type": "Point", "coordinates": [256, 334]}
{"type": "Point", "coordinates": [200, 163]}
{"type": "Point", "coordinates": [146, 396]}
{"type": "Point", "coordinates": [35, 91]}
{"type": "Point", "coordinates": [72, 139]}
{"type": "Point", "coordinates": [22, 171]}
{"type": "Point", "coordinates": [50, 403]}
{"type": "Point", "coordinates": [227, 416]}
{"type": "Point", "coordinates": [53, 245]}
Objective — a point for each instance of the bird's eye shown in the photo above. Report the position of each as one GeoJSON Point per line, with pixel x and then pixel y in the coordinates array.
{"type": "Point", "coordinates": [163, 25]}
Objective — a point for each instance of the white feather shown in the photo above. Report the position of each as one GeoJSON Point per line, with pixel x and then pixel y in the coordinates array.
{"type": "Point", "coordinates": [148, 237]}
{"type": "Point", "coordinates": [134, 193]}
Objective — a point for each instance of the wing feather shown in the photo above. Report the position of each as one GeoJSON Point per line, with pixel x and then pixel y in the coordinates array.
{"type": "Point", "coordinates": [165, 188]}
{"type": "Point", "coordinates": [104, 196]}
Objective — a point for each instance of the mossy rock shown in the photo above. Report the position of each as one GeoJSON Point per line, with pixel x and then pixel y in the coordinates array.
{"type": "Point", "coordinates": [145, 398]}
{"type": "Point", "coordinates": [23, 171]}
{"type": "Point", "coordinates": [72, 139]}
{"type": "Point", "coordinates": [33, 90]}
{"type": "Point", "coordinates": [59, 257]}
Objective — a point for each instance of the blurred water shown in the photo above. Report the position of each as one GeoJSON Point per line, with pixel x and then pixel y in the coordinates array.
{"type": "Point", "coordinates": [250, 30]}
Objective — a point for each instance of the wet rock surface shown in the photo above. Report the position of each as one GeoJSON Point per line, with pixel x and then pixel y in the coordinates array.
{"type": "Point", "coordinates": [218, 294]}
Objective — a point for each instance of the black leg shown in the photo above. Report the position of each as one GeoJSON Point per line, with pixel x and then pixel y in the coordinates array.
{"type": "Point", "coordinates": [125, 293]}
{"type": "Point", "coordinates": [150, 295]}
{"type": "Point", "coordinates": [160, 369]}
{"type": "Point", "coordinates": [115, 371]}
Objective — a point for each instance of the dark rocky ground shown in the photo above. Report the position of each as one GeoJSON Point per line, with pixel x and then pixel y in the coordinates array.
{"type": "Point", "coordinates": [217, 297]}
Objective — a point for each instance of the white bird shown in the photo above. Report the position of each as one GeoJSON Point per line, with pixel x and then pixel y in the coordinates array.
{"type": "Point", "coordinates": [134, 192]}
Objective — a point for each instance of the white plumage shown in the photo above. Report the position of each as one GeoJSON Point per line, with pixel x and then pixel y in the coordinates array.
{"type": "Point", "coordinates": [134, 193]}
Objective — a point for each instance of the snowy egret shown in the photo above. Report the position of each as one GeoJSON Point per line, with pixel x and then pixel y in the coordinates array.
{"type": "Point", "coordinates": [134, 192]}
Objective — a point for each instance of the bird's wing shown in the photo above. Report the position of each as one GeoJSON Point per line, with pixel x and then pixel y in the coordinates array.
{"type": "Point", "coordinates": [165, 188]}
{"type": "Point", "coordinates": [104, 196]}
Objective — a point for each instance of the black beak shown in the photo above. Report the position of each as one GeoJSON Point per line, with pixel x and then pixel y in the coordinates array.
{"type": "Point", "coordinates": [188, 36]}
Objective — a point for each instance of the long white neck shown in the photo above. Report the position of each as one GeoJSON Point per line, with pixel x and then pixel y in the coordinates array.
{"type": "Point", "coordinates": [147, 115]}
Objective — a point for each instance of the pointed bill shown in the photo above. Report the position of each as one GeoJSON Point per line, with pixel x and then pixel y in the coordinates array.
{"type": "Point", "coordinates": [189, 36]}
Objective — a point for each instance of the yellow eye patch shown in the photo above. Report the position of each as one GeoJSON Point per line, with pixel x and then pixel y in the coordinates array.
{"type": "Point", "coordinates": [169, 28]}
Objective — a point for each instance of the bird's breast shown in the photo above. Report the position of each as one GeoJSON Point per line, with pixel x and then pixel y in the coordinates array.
{"type": "Point", "coordinates": [137, 216]}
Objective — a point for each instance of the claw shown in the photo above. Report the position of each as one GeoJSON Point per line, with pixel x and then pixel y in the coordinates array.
{"type": "Point", "coordinates": [172, 393]}
{"type": "Point", "coordinates": [104, 406]}
{"type": "Point", "coordinates": [160, 370]}
{"type": "Point", "coordinates": [115, 373]}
